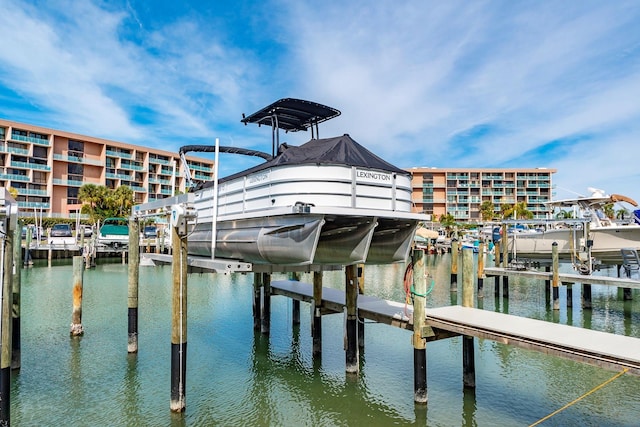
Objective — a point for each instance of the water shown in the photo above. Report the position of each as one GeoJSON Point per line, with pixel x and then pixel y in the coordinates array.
{"type": "Point", "coordinates": [236, 377]}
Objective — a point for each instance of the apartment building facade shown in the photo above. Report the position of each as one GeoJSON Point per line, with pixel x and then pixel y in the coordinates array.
{"type": "Point", "coordinates": [461, 192]}
{"type": "Point", "coordinates": [47, 168]}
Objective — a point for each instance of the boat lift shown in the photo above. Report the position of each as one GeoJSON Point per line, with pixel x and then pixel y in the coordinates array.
{"type": "Point", "coordinates": [580, 242]}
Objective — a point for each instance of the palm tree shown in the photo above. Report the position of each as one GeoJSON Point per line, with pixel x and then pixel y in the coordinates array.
{"type": "Point", "coordinates": [518, 211]}
{"type": "Point", "coordinates": [121, 201]}
{"type": "Point", "coordinates": [564, 214]}
{"type": "Point", "coordinates": [608, 210]}
{"type": "Point", "coordinates": [93, 198]}
{"type": "Point", "coordinates": [487, 209]}
{"type": "Point", "coordinates": [506, 210]}
{"type": "Point", "coordinates": [447, 221]}
{"type": "Point", "coordinates": [622, 213]}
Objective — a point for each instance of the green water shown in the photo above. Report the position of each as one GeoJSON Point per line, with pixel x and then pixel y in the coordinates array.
{"type": "Point", "coordinates": [236, 377]}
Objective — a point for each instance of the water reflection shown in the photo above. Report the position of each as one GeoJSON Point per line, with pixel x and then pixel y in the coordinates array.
{"type": "Point", "coordinates": [469, 407]}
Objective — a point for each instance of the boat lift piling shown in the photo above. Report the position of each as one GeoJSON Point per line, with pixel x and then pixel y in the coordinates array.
{"type": "Point", "coordinates": [360, 318]}
{"type": "Point", "coordinates": [420, 394]}
{"type": "Point", "coordinates": [76, 314]}
{"type": "Point", "coordinates": [8, 224]}
{"type": "Point", "coordinates": [179, 313]}
{"type": "Point", "coordinates": [496, 249]}
{"type": "Point", "coordinates": [351, 321]}
{"type": "Point", "coordinates": [316, 310]}
{"type": "Point", "coordinates": [555, 280]}
{"type": "Point", "coordinates": [454, 265]}
{"type": "Point", "coordinates": [15, 332]}
{"type": "Point", "coordinates": [505, 262]}
{"type": "Point", "coordinates": [295, 311]}
{"type": "Point", "coordinates": [257, 301]}
{"type": "Point", "coordinates": [481, 275]}
{"type": "Point", "coordinates": [265, 323]}
{"type": "Point", "coordinates": [468, 351]}
{"type": "Point", "coordinates": [134, 280]}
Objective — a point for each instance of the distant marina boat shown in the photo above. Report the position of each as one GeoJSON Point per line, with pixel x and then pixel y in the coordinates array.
{"type": "Point", "coordinates": [590, 234]}
{"type": "Point", "coordinates": [328, 201]}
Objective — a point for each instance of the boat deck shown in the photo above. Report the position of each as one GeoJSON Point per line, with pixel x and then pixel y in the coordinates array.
{"type": "Point", "coordinates": [602, 349]}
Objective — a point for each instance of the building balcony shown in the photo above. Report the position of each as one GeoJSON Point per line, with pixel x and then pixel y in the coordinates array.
{"type": "Point", "coordinates": [68, 182]}
{"type": "Point", "coordinates": [31, 192]}
{"type": "Point", "coordinates": [119, 154]}
{"type": "Point", "coordinates": [14, 150]}
{"type": "Point", "coordinates": [32, 205]}
{"type": "Point", "coordinates": [35, 166]}
{"type": "Point", "coordinates": [31, 139]}
{"type": "Point", "coordinates": [14, 177]}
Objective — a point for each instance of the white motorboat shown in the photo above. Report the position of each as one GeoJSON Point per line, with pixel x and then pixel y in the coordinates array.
{"type": "Point", "coordinates": [589, 235]}
{"type": "Point", "coordinates": [328, 201]}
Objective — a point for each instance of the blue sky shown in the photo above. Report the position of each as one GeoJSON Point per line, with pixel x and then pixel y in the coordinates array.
{"type": "Point", "coordinates": [420, 83]}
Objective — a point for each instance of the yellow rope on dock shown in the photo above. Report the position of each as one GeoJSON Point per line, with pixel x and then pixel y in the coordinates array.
{"type": "Point", "coordinates": [616, 376]}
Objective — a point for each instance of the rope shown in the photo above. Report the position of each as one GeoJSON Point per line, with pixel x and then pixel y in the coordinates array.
{"type": "Point", "coordinates": [618, 375]}
{"type": "Point", "coordinates": [409, 289]}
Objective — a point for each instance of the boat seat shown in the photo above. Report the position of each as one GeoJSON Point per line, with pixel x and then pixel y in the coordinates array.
{"type": "Point", "coordinates": [630, 261]}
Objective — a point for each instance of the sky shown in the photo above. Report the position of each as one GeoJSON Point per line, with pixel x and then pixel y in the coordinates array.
{"type": "Point", "coordinates": [447, 84]}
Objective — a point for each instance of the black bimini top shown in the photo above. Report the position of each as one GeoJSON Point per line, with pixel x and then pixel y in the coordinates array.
{"type": "Point", "coordinates": [291, 115]}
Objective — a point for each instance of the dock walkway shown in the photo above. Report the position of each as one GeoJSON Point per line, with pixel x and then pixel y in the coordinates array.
{"type": "Point", "coordinates": [565, 278]}
{"type": "Point", "coordinates": [601, 349]}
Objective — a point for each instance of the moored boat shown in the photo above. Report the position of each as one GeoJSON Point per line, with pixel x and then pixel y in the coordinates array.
{"type": "Point", "coordinates": [328, 201]}
{"type": "Point", "coordinates": [589, 236]}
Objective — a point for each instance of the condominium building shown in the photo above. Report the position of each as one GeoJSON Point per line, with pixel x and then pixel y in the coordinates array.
{"type": "Point", "coordinates": [461, 192]}
{"type": "Point", "coordinates": [47, 168]}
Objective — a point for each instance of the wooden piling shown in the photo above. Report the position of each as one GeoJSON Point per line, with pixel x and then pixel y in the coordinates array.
{"type": "Point", "coordinates": [5, 322]}
{"type": "Point", "coordinates": [257, 301]}
{"type": "Point", "coordinates": [505, 261]}
{"type": "Point", "coordinates": [360, 318]}
{"type": "Point", "coordinates": [468, 356]}
{"type": "Point", "coordinates": [419, 324]}
{"type": "Point", "coordinates": [351, 299]}
{"type": "Point", "coordinates": [547, 286]}
{"type": "Point", "coordinates": [76, 315]}
{"type": "Point", "coordinates": [265, 324]}
{"type": "Point", "coordinates": [295, 312]}
{"type": "Point", "coordinates": [555, 280]}
{"type": "Point", "coordinates": [481, 275]}
{"type": "Point", "coordinates": [178, 322]}
{"type": "Point", "coordinates": [586, 296]}
{"type": "Point", "coordinates": [316, 329]}
{"type": "Point", "coordinates": [496, 257]}
{"type": "Point", "coordinates": [27, 246]}
{"type": "Point", "coordinates": [454, 265]}
{"type": "Point", "coordinates": [134, 278]}
{"type": "Point", "coordinates": [15, 331]}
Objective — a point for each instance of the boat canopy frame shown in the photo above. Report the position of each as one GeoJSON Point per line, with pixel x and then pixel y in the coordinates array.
{"type": "Point", "coordinates": [291, 115]}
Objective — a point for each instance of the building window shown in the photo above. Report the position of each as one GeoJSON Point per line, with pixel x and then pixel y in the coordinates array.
{"type": "Point", "coordinates": [72, 196]}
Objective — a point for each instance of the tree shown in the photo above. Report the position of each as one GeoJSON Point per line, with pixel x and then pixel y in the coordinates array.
{"type": "Point", "coordinates": [91, 196]}
{"type": "Point", "coordinates": [121, 201]}
{"type": "Point", "coordinates": [608, 210]}
{"type": "Point", "coordinates": [487, 209]}
{"type": "Point", "coordinates": [100, 202]}
{"type": "Point", "coordinates": [622, 213]}
{"type": "Point", "coordinates": [506, 210]}
{"type": "Point", "coordinates": [564, 214]}
{"type": "Point", "coordinates": [518, 211]}
{"type": "Point", "coordinates": [447, 221]}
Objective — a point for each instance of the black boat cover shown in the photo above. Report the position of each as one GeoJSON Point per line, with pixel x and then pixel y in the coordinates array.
{"type": "Point", "coordinates": [292, 114]}
{"type": "Point", "coordinates": [340, 150]}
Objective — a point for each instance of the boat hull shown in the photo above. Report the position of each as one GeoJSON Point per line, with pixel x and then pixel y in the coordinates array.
{"type": "Point", "coordinates": [606, 243]}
